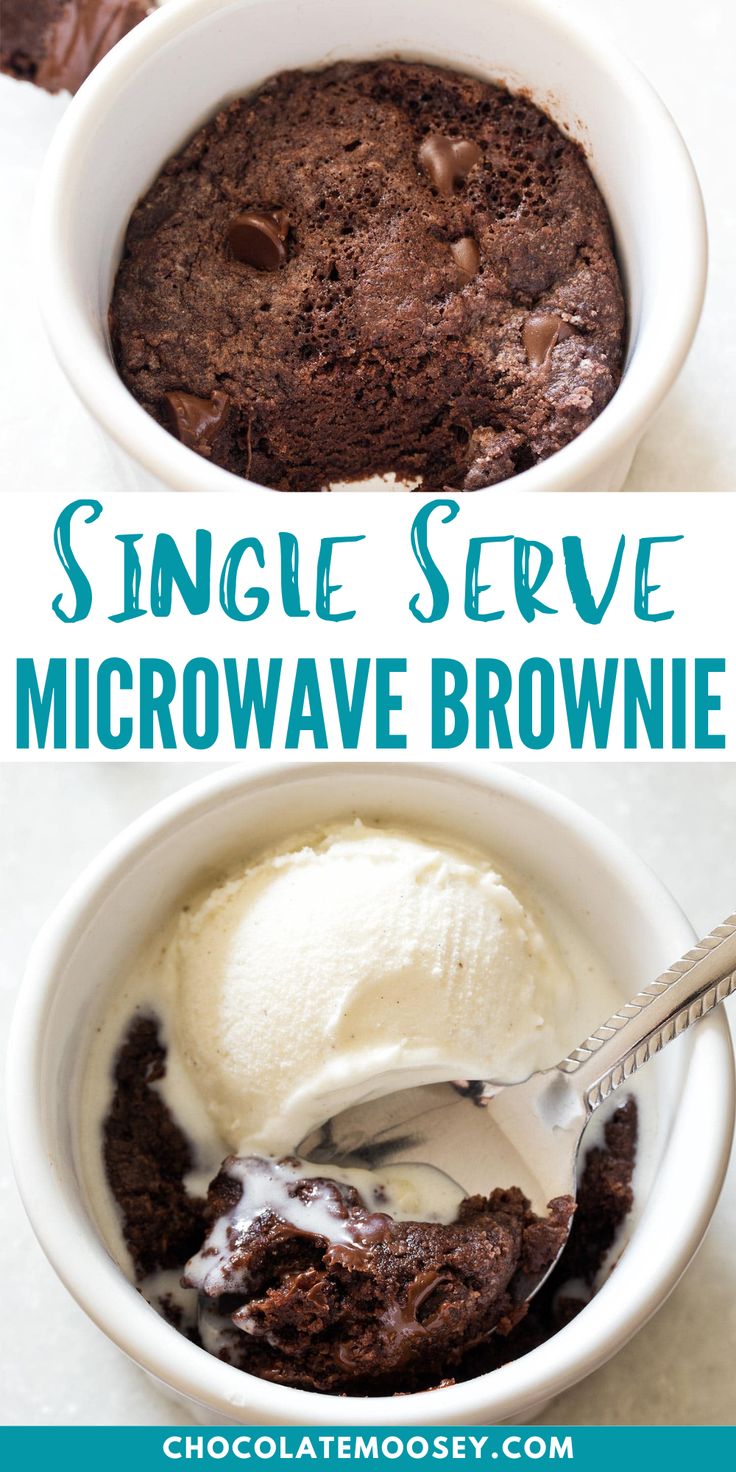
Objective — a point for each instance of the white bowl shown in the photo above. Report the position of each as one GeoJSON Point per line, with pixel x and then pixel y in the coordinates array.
{"type": "Point", "coordinates": [135, 883]}
{"type": "Point", "coordinates": [172, 72]}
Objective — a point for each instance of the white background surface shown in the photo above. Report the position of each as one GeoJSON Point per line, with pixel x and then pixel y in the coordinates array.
{"type": "Point", "coordinates": [685, 47]}
{"type": "Point", "coordinates": [59, 1369]}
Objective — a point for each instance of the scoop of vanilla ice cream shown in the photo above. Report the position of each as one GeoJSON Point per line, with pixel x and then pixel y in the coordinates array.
{"type": "Point", "coordinates": [363, 960]}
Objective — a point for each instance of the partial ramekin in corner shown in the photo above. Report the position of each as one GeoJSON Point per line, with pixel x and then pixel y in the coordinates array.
{"type": "Point", "coordinates": [173, 71]}
{"type": "Point", "coordinates": [616, 901]}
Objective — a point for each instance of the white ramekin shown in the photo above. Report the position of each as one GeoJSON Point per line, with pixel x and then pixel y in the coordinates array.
{"type": "Point", "coordinates": [135, 883]}
{"type": "Point", "coordinates": [172, 72]}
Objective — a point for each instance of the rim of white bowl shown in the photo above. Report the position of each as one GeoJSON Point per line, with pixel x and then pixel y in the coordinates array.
{"type": "Point", "coordinates": [648, 376]}
{"type": "Point", "coordinates": [705, 1114]}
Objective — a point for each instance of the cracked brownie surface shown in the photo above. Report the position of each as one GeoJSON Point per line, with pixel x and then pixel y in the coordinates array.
{"type": "Point", "coordinates": [380, 267]}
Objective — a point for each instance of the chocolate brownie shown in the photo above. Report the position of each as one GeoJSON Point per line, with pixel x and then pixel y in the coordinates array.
{"type": "Point", "coordinates": [604, 1200]}
{"type": "Point", "coordinates": [147, 1156]}
{"type": "Point", "coordinates": [380, 267]}
{"type": "Point", "coordinates": [56, 43]}
{"type": "Point", "coordinates": [376, 1305]}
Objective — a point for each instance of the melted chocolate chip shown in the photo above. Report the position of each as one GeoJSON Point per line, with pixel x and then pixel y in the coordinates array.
{"type": "Point", "coordinates": [194, 421]}
{"type": "Point", "coordinates": [466, 256]}
{"type": "Point", "coordinates": [540, 333]}
{"type": "Point", "coordinates": [447, 161]}
{"type": "Point", "coordinates": [257, 239]}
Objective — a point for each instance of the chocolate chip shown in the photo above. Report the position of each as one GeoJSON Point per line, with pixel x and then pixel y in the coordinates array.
{"type": "Point", "coordinates": [542, 330]}
{"type": "Point", "coordinates": [194, 421]}
{"type": "Point", "coordinates": [466, 256]}
{"type": "Point", "coordinates": [447, 161]}
{"type": "Point", "coordinates": [257, 239]}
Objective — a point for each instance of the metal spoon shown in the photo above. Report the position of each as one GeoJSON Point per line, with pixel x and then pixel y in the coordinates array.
{"type": "Point", "coordinates": [528, 1134]}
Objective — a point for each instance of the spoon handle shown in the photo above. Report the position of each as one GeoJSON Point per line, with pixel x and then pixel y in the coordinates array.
{"type": "Point", "coordinates": [693, 986]}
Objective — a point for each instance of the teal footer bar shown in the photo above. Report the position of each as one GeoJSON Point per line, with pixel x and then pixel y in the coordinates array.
{"type": "Point", "coordinates": [588, 1448]}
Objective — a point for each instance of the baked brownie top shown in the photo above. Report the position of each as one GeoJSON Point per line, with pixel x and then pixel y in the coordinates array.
{"type": "Point", "coordinates": [56, 43]}
{"type": "Point", "coordinates": [378, 267]}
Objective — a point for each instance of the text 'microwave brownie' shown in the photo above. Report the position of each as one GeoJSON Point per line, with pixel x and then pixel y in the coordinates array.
{"type": "Point", "coordinates": [378, 268]}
